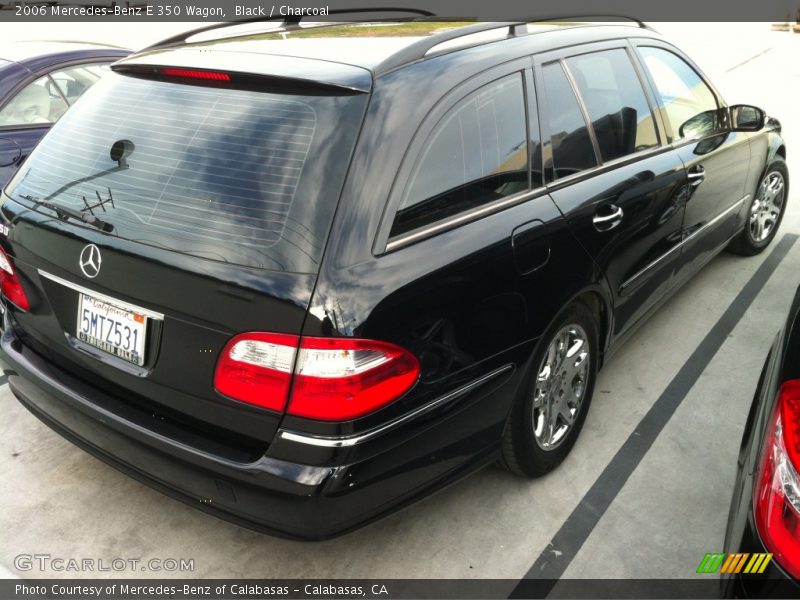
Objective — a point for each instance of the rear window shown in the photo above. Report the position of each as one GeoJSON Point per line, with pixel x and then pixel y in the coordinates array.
{"type": "Point", "coordinates": [241, 177]}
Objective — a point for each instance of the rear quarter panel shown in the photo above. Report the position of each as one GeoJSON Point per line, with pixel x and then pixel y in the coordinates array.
{"type": "Point", "coordinates": [457, 299]}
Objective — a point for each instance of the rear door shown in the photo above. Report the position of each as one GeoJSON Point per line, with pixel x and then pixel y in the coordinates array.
{"type": "Point", "coordinates": [160, 218]}
{"type": "Point", "coordinates": [607, 169]}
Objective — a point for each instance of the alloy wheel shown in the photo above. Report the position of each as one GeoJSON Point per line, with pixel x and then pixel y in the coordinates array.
{"type": "Point", "coordinates": [766, 209]}
{"type": "Point", "coordinates": [560, 386]}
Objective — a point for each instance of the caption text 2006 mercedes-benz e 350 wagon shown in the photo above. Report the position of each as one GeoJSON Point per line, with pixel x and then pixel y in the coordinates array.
{"type": "Point", "coordinates": [301, 278]}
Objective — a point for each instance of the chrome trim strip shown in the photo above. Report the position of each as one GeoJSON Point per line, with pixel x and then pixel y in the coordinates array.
{"type": "Point", "coordinates": [353, 440]}
{"type": "Point", "coordinates": [622, 161]}
{"type": "Point", "coordinates": [652, 264]}
{"type": "Point", "coordinates": [151, 314]}
{"type": "Point", "coordinates": [461, 218]}
{"type": "Point", "coordinates": [598, 157]}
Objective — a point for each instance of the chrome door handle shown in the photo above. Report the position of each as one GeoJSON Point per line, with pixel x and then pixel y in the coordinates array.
{"type": "Point", "coordinates": [607, 222]}
{"type": "Point", "coordinates": [696, 176]}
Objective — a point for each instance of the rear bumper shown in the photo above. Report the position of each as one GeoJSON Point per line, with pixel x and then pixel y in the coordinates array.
{"type": "Point", "coordinates": [271, 495]}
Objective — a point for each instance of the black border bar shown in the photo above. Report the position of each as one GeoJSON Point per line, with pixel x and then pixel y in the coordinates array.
{"type": "Point", "coordinates": [496, 10]}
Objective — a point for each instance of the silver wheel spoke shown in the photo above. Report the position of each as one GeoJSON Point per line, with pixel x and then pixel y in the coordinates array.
{"type": "Point", "coordinates": [566, 414]}
{"type": "Point", "coordinates": [775, 185]}
{"type": "Point", "coordinates": [775, 204]}
{"type": "Point", "coordinates": [575, 364]}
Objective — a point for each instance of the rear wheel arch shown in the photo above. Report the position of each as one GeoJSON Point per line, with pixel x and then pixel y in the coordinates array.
{"type": "Point", "coordinates": [600, 306]}
{"type": "Point", "coordinates": [521, 450]}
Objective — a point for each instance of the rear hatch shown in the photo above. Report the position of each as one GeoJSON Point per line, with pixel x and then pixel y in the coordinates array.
{"type": "Point", "coordinates": [169, 210]}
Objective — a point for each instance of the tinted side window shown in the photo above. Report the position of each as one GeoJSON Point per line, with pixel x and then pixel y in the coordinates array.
{"type": "Point", "coordinates": [39, 103]}
{"type": "Point", "coordinates": [477, 153]}
{"type": "Point", "coordinates": [74, 81]}
{"type": "Point", "coordinates": [689, 104]}
{"type": "Point", "coordinates": [615, 101]}
{"type": "Point", "coordinates": [570, 149]}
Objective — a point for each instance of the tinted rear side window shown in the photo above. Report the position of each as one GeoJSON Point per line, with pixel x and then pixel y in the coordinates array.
{"type": "Point", "coordinates": [570, 150]}
{"type": "Point", "coordinates": [476, 154]}
{"type": "Point", "coordinates": [615, 101]}
{"type": "Point", "coordinates": [243, 177]}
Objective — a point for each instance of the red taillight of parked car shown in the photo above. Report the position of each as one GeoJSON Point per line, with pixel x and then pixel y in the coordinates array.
{"type": "Point", "coordinates": [10, 284]}
{"type": "Point", "coordinates": [328, 379]}
{"type": "Point", "coordinates": [776, 501]}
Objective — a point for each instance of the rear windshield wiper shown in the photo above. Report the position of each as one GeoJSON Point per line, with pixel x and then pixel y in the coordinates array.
{"type": "Point", "coordinates": [67, 213]}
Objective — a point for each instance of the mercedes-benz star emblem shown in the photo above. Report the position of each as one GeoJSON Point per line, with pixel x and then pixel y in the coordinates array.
{"type": "Point", "coordinates": [90, 261]}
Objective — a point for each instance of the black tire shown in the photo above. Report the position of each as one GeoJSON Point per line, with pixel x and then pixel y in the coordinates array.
{"type": "Point", "coordinates": [747, 242]}
{"type": "Point", "coordinates": [522, 453]}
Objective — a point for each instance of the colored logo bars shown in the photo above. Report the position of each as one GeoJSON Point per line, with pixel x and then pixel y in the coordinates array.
{"type": "Point", "coordinates": [734, 563]}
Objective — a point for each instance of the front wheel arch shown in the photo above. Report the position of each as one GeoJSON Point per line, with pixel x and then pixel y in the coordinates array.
{"type": "Point", "coordinates": [743, 243]}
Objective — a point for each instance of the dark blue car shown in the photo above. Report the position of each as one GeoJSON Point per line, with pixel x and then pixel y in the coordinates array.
{"type": "Point", "coordinates": [39, 81]}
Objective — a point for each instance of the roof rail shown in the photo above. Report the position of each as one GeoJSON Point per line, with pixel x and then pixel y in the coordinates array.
{"type": "Point", "coordinates": [288, 22]}
{"type": "Point", "coordinates": [602, 17]}
{"type": "Point", "coordinates": [418, 50]}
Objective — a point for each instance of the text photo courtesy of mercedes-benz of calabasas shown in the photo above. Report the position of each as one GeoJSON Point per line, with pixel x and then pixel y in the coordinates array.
{"type": "Point", "coordinates": [300, 284]}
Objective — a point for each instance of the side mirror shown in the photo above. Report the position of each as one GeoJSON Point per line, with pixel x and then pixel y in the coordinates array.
{"type": "Point", "coordinates": [701, 124]}
{"type": "Point", "coordinates": [747, 118]}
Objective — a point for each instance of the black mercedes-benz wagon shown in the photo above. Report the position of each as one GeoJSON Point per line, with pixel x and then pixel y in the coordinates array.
{"type": "Point", "coordinates": [301, 277]}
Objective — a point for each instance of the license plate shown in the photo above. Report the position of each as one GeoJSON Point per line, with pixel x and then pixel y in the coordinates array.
{"type": "Point", "coordinates": [112, 328]}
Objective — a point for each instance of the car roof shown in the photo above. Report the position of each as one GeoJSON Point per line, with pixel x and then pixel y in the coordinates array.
{"type": "Point", "coordinates": [375, 46]}
{"type": "Point", "coordinates": [361, 44]}
{"type": "Point", "coordinates": [26, 50]}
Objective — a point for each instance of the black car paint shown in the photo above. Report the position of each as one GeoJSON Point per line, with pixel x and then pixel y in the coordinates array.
{"type": "Point", "coordinates": [782, 364]}
{"type": "Point", "coordinates": [470, 302]}
{"type": "Point", "coordinates": [200, 329]}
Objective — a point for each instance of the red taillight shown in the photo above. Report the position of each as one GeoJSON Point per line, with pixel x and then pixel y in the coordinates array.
{"type": "Point", "coordinates": [335, 379]}
{"type": "Point", "coordinates": [9, 283]}
{"type": "Point", "coordinates": [195, 74]}
{"type": "Point", "coordinates": [257, 368]}
{"type": "Point", "coordinates": [776, 498]}
{"type": "Point", "coordinates": [340, 379]}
